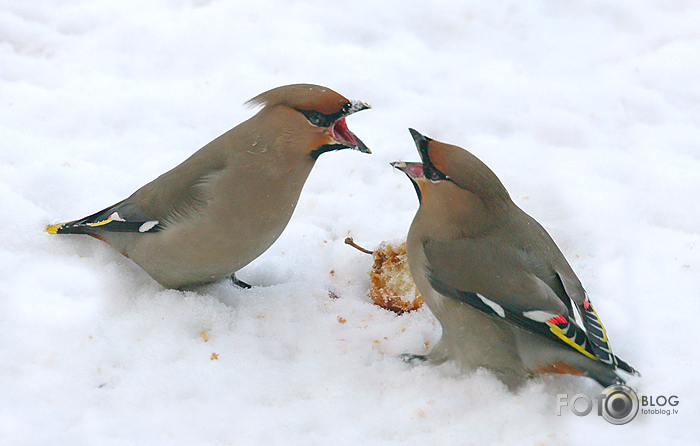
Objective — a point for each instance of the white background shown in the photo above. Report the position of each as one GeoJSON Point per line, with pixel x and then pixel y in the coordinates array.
{"type": "Point", "coordinates": [589, 112]}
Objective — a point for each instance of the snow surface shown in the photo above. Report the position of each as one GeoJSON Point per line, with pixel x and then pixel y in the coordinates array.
{"type": "Point", "coordinates": [589, 112]}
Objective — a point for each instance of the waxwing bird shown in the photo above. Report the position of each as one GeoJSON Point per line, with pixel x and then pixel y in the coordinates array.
{"type": "Point", "coordinates": [503, 292]}
{"type": "Point", "coordinates": [227, 203]}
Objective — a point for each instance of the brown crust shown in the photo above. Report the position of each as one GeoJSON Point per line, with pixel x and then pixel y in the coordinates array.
{"type": "Point", "coordinates": [389, 262]}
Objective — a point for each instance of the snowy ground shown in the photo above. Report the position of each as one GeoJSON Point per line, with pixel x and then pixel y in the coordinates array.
{"type": "Point", "coordinates": [588, 111]}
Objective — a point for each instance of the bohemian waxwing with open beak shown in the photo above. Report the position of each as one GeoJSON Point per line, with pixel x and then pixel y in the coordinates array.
{"type": "Point", "coordinates": [227, 203]}
{"type": "Point", "coordinates": [503, 292]}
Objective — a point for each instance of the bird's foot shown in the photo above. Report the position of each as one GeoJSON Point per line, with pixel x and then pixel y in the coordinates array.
{"type": "Point", "coordinates": [409, 358]}
{"type": "Point", "coordinates": [239, 283]}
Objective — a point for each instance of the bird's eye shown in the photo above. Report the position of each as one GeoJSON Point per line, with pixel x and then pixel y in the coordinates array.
{"type": "Point", "coordinates": [315, 118]}
{"type": "Point", "coordinates": [433, 174]}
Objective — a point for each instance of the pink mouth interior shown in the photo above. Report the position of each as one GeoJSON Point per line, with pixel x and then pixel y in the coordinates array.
{"type": "Point", "coordinates": [416, 169]}
{"type": "Point", "coordinates": [339, 130]}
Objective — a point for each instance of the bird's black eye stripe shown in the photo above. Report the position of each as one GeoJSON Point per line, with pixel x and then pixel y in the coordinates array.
{"type": "Point", "coordinates": [429, 170]}
{"type": "Point", "coordinates": [319, 119]}
{"type": "Point", "coordinates": [433, 174]}
{"type": "Point", "coordinates": [322, 120]}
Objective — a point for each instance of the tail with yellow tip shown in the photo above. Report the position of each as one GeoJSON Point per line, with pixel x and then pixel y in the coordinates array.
{"type": "Point", "coordinates": [121, 217]}
{"type": "Point", "coordinates": [68, 227]}
{"type": "Point", "coordinates": [53, 229]}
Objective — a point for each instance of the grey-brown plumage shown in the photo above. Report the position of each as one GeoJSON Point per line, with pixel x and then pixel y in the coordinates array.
{"type": "Point", "coordinates": [225, 205]}
{"type": "Point", "coordinates": [502, 290]}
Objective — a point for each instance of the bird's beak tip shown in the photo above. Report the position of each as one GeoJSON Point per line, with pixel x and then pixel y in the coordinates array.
{"type": "Point", "coordinates": [414, 170]}
{"type": "Point", "coordinates": [417, 137]}
{"type": "Point", "coordinates": [356, 106]}
{"type": "Point", "coordinates": [361, 147]}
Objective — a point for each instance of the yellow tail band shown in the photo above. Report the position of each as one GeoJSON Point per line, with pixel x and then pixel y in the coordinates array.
{"type": "Point", "coordinates": [560, 333]}
{"type": "Point", "coordinates": [53, 229]}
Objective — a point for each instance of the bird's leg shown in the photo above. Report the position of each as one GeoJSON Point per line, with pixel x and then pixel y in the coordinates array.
{"type": "Point", "coordinates": [413, 359]}
{"type": "Point", "coordinates": [238, 282]}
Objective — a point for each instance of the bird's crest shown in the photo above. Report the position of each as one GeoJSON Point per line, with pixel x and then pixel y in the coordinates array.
{"type": "Point", "coordinates": [302, 97]}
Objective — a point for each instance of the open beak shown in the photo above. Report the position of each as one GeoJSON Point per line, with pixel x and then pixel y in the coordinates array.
{"type": "Point", "coordinates": [429, 170]}
{"type": "Point", "coordinates": [416, 170]}
{"type": "Point", "coordinates": [340, 132]}
{"type": "Point", "coordinates": [420, 173]}
{"type": "Point", "coordinates": [413, 170]}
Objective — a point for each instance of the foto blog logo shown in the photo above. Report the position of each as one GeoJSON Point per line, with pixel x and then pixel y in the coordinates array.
{"type": "Point", "coordinates": [617, 404]}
